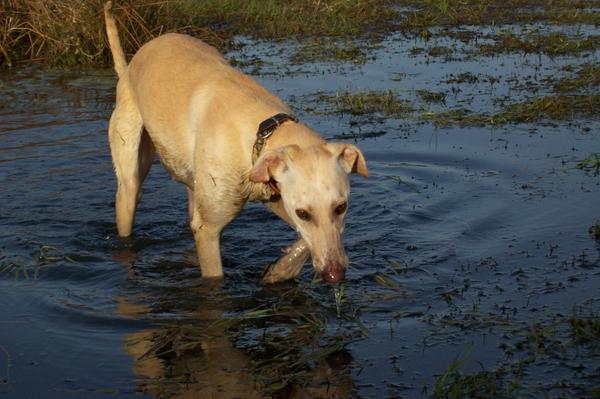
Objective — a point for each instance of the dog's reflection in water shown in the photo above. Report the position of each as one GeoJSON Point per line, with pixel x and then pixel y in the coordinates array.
{"type": "Point", "coordinates": [197, 357]}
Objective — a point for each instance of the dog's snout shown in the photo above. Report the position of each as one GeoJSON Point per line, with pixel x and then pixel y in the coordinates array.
{"type": "Point", "coordinates": [333, 273]}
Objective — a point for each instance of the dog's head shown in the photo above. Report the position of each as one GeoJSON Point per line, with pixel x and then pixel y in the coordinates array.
{"type": "Point", "coordinates": [314, 189]}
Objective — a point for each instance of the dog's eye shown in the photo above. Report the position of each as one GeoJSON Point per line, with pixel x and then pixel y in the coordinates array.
{"type": "Point", "coordinates": [302, 214]}
{"type": "Point", "coordinates": [341, 208]}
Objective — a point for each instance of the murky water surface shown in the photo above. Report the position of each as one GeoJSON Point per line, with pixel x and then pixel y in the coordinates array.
{"type": "Point", "coordinates": [469, 248]}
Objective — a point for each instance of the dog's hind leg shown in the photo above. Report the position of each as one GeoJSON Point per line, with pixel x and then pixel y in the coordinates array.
{"type": "Point", "coordinates": [131, 151]}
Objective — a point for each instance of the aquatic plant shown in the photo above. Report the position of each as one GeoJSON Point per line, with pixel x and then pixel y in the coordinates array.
{"type": "Point", "coordinates": [591, 163]}
{"type": "Point", "coordinates": [552, 44]}
{"type": "Point", "coordinates": [550, 107]}
{"type": "Point", "coordinates": [365, 102]}
{"type": "Point", "coordinates": [586, 76]}
{"type": "Point", "coordinates": [329, 50]}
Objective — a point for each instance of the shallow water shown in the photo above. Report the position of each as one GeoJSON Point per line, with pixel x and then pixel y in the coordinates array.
{"type": "Point", "coordinates": [465, 242]}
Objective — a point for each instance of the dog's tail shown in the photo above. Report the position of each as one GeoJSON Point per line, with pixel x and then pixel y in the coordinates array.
{"type": "Point", "coordinates": [114, 41]}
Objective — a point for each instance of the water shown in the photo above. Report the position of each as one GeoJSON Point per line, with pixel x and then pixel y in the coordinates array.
{"type": "Point", "coordinates": [466, 243]}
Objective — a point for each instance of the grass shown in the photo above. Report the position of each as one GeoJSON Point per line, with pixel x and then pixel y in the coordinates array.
{"type": "Point", "coordinates": [590, 164]}
{"type": "Point", "coordinates": [458, 116]}
{"type": "Point", "coordinates": [585, 330]}
{"type": "Point", "coordinates": [319, 50]}
{"type": "Point", "coordinates": [47, 256]}
{"type": "Point", "coordinates": [431, 97]}
{"type": "Point", "coordinates": [389, 104]}
{"type": "Point", "coordinates": [551, 107]}
{"type": "Point", "coordinates": [560, 107]}
{"type": "Point", "coordinates": [68, 32]}
{"type": "Point", "coordinates": [440, 51]}
{"type": "Point", "coordinates": [464, 77]}
{"type": "Point", "coordinates": [553, 44]}
{"type": "Point", "coordinates": [452, 384]}
{"type": "Point", "coordinates": [586, 76]}
{"type": "Point", "coordinates": [386, 103]}
{"type": "Point", "coordinates": [595, 231]}
{"type": "Point", "coordinates": [423, 15]}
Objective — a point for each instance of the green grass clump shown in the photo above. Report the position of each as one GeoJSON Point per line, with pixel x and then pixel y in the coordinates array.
{"type": "Point", "coordinates": [458, 386]}
{"type": "Point", "coordinates": [595, 231]}
{"type": "Point", "coordinates": [431, 97]}
{"type": "Point", "coordinates": [68, 32]}
{"type": "Point", "coordinates": [386, 103]}
{"type": "Point", "coordinates": [440, 51]}
{"type": "Point", "coordinates": [455, 117]}
{"type": "Point", "coordinates": [549, 107]}
{"type": "Point", "coordinates": [587, 75]}
{"type": "Point", "coordinates": [328, 50]}
{"type": "Point", "coordinates": [585, 330]}
{"type": "Point", "coordinates": [553, 44]}
{"type": "Point", "coordinates": [452, 384]}
{"type": "Point", "coordinates": [590, 164]}
{"type": "Point", "coordinates": [425, 14]}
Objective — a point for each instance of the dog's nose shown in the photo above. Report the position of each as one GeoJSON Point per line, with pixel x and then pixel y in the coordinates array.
{"type": "Point", "coordinates": [334, 274]}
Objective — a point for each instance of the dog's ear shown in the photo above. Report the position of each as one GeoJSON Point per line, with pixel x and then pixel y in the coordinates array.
{"type": "Point", "coordinates": [271, 163]}
{"type": "Point", "coordinates": [350, 157]}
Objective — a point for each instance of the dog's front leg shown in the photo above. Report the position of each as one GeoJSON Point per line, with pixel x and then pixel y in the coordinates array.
{"type": "Point", "coordinates": [208, 244]}
{"type": "Point", "coordinates": [289, 265]}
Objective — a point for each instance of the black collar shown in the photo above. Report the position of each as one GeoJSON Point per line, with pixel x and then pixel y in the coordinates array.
{"type": "Point", "coordinates": [266, 129]}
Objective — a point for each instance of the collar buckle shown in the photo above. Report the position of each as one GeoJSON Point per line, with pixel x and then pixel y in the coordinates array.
{"type": "Point", "coordinates": [266, 129]}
